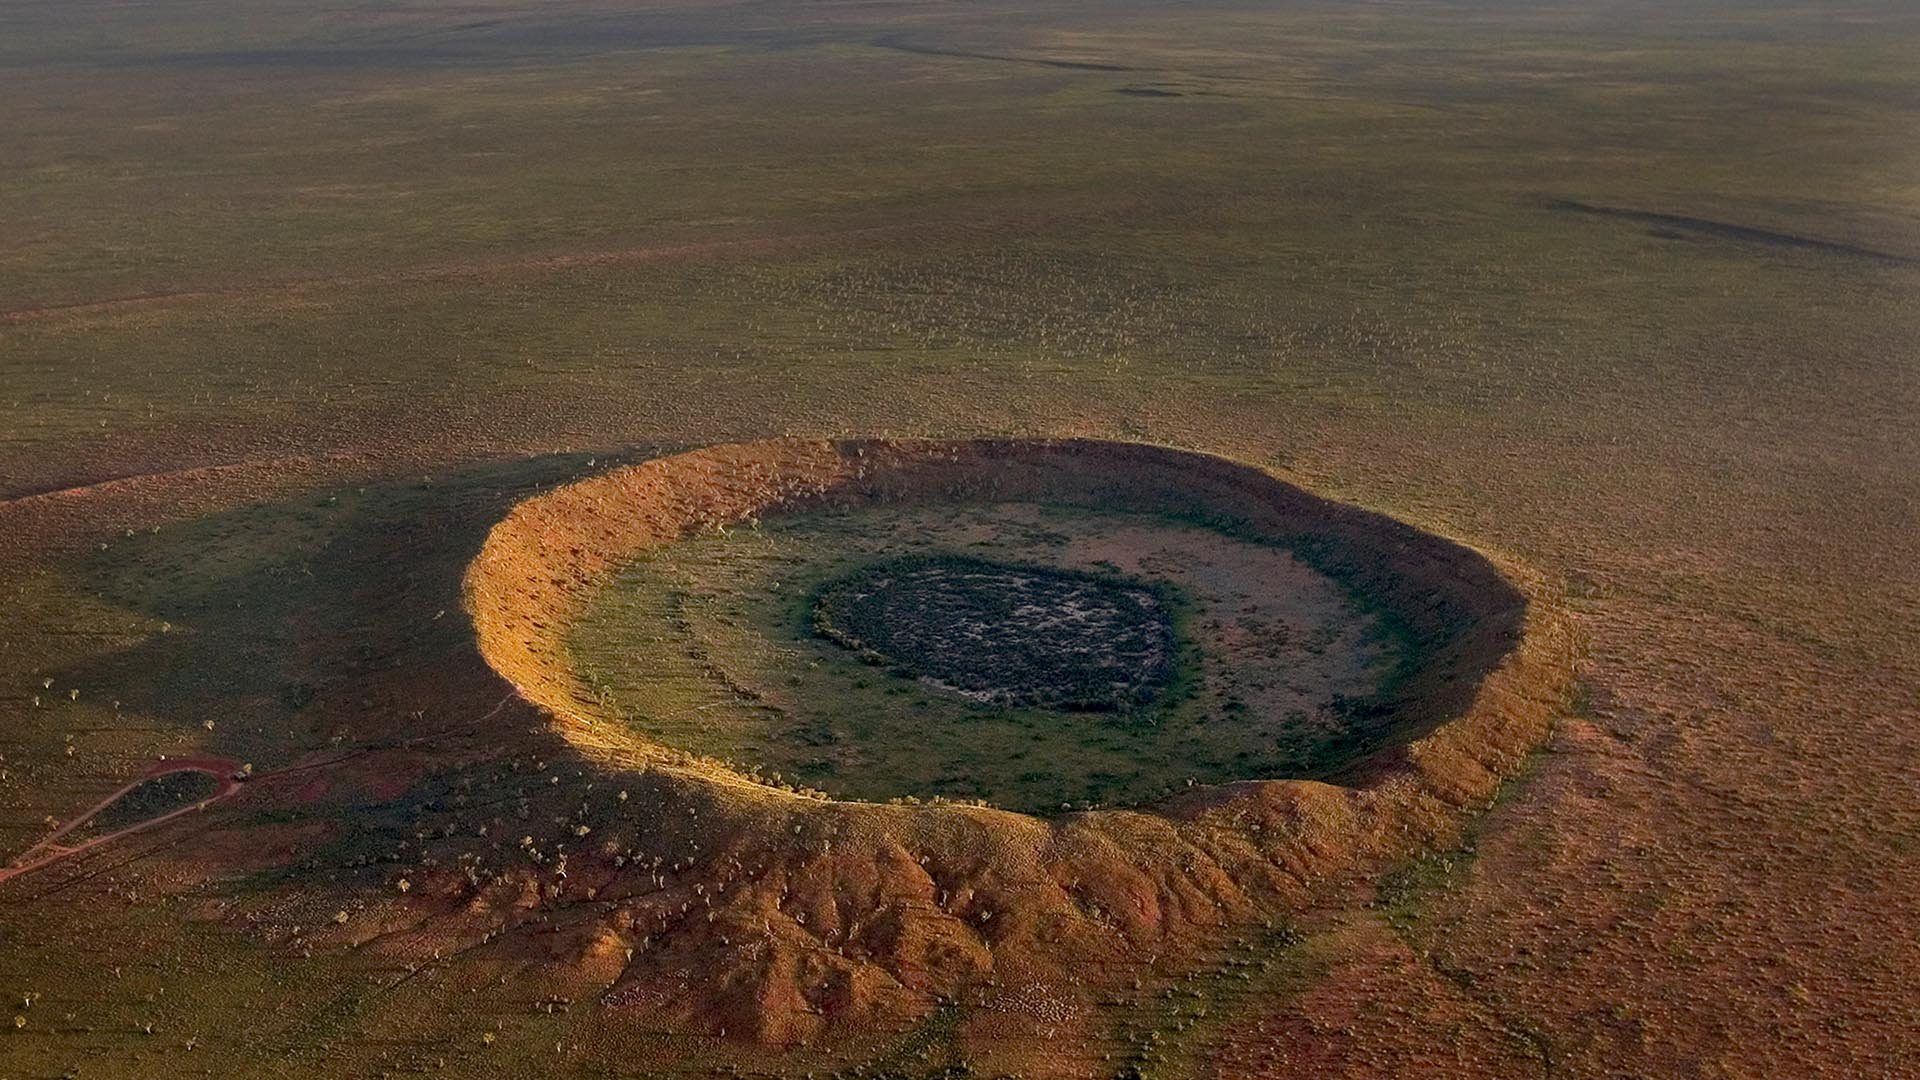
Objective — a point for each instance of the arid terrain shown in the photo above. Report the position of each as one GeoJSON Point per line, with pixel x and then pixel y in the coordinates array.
{"type": "Point", "coordinates": [1545, 380]}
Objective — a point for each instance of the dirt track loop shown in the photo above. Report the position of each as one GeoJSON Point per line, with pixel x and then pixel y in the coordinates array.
{"type": "Point", "coordinates": [50, 850]}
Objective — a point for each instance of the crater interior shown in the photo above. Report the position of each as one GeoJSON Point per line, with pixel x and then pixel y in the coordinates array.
{"type": "Point", "coordinates": [1026, 653]}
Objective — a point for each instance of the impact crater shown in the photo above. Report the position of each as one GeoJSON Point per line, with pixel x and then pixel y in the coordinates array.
{"type": "Point", "coordinates": [1344, 690]}
{"type": "Point", "coordinates": [1032, 625]}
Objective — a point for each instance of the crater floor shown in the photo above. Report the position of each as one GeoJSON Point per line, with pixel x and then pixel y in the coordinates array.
{"type": "Point", "coordinates": [1026, 654]}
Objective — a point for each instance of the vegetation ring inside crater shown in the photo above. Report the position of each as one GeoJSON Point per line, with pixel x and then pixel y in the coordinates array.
{"type": "Point", "coordinates": [1242, 660]}
{"type": "Point", "coordinates": [1006, 634]}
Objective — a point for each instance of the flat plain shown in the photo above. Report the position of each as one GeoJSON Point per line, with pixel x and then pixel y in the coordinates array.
{"type": "Point", "coordinates": [295, 305]}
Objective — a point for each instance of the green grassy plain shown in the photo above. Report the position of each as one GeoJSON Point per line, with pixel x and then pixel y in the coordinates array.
{"type": "Point", "coordinates": [312, 251]}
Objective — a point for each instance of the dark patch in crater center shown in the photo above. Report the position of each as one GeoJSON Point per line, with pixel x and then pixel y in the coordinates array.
{"type": "Point", "coordinates": [1006, 634]}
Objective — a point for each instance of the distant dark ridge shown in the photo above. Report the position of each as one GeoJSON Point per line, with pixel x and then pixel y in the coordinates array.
{"type": "Point", "coordinates": [1731, 231]}
{"type": "Point", "coordinates": [930, 50]}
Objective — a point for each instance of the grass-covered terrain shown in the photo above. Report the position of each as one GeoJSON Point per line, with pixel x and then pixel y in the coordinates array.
{"type": "Point", "coordinates": [715, 646]}
{"type": "Point", "coordinates": [1626, 290]}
